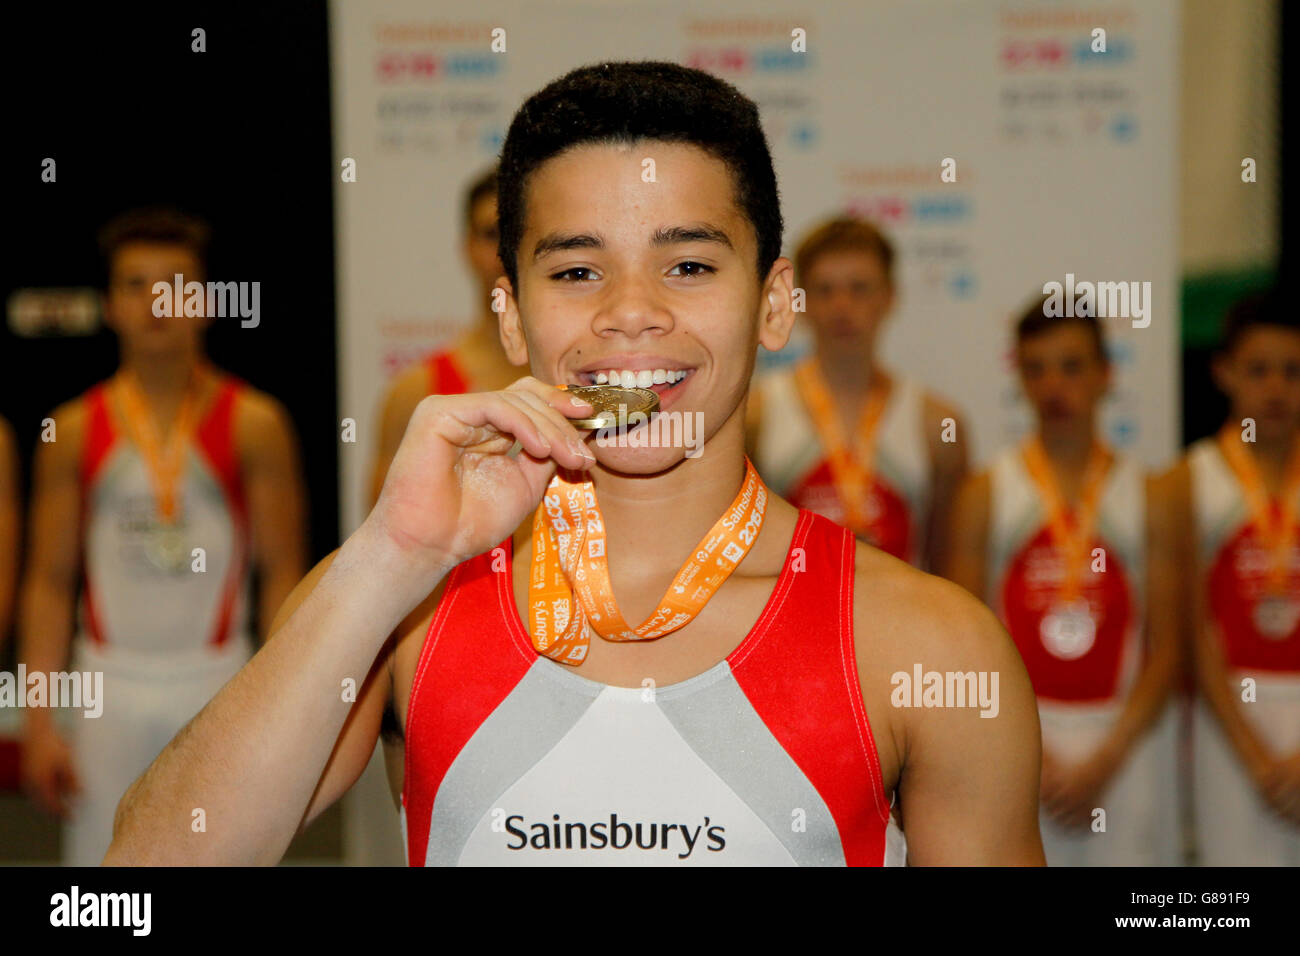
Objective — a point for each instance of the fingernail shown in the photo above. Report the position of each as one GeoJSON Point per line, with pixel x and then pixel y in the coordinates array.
{"type": "Point", "coordinates": [580, 448]}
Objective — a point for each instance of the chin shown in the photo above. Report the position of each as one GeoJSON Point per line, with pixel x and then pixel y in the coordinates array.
{"type": "Point", "coordinates": [635, 461]}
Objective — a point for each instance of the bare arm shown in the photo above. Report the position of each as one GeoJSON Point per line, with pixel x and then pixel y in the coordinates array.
{"type": "Point", "coordinates": [949, 462]}
{"type": "Point", "coordinates": [1166, 543]}
{"type": "Point", "coordinates": [1206, 651]}
{"type": "Point", "coordinates": [9, 528]}
{"type": "Point", "coordinates": [968, 529]}
{"type": "Point", "coordinates": [253, 759]}
{"type": "Point", "coordinates": [47, 603]}
{"type": "Point", "coordinates": [276, 500]}
{"type": "Point", "coordinates": [969, 783]}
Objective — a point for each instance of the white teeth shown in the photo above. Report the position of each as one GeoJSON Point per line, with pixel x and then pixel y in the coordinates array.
{"type": "Point", "coordinates": [642, 378]}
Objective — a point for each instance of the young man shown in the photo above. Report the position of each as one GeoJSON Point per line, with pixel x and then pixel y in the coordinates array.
{"type": "Point", "coordinates": [474, 362]}
{"type": "Point", "coordinates": [1074, 549]}
{"type": "Point", "coordinates": [751, 721]}
{"type": "Point", "coordinates": [841, 435]}
{"type": "Point", "coordinates": [1239, 492]}
{"type": "Point", "coordinates": [169, 455]}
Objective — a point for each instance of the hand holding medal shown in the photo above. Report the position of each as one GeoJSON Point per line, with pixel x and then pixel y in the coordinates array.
{"type": "Point", "coordinates": [456, 456]}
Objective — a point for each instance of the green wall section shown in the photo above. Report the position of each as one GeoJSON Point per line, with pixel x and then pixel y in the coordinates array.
{"type": "Point", "coordinates": [1207, 296]}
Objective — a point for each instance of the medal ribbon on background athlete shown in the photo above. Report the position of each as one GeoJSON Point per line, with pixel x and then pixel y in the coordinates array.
{"type": "Point", "coordinates": [1276, 525]}
{"type": "Point", "coordinates": [164, 462]}
{"type": "Point", "coordinates": [1071, 536]}
{"type": "Point", "coordinates": [851, 466]}
{"type": "Point", "coordinates": [569, 584]}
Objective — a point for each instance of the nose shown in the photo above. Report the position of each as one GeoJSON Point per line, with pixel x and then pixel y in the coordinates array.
{"type": "Point", "coordinates": [632, 307]}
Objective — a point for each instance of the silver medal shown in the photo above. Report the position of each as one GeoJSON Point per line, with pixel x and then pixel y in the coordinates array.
{"type": "Point", "coordinates": [1275, 616]}
{"type": "Point", "coordinates": [1068, 630]}
{"type": "Point", "coordinates": [167, 547]}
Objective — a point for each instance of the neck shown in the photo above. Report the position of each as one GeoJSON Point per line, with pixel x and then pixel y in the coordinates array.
{"type": "Point", "coordinates": [1271, 449]}
{"type": "Point", "coordinates": [1068, 444]}
{"type": "Point", "coordinates": [163, 379]}
{"type": "Point", "coordinates": [848, 367]}
{"type": "Point", "coordinates": [661, 517]}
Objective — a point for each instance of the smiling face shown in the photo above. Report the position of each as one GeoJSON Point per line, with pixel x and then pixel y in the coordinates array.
{"type": "Point", "coordinates": [645, 280]}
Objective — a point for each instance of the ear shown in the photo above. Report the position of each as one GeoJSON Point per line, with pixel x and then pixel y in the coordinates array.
{"type": "Point", "coordinates": [106, 310]}
{"type": "Point", "coordinates": [1221, 372]}
{"type": "Point", "coordinates": [513, 339]}
{"type": "Point", "coordinates": [776, 315]}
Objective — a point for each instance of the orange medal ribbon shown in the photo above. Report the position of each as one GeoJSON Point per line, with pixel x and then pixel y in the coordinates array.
{"type": "Point", "coordinates": [164, 462]}
{"type": "Point", "coordinates": [851, 467]}
{"type": "Point", "coordinates": [569, 584]}
{"type": "Point", "coordinates": [1274, 522]}
{"type": "Point", "coordinates": [1070, 533]}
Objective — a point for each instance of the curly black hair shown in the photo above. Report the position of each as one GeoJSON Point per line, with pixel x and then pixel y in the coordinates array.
{"type": "Point", "coordinates": [623, 102]}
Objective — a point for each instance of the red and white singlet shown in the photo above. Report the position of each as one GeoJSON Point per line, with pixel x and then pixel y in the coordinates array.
{"type": "Point", "coordinates": [793, 462]}
{"type": "Point", "coordinates": [1234, 825]}
{"type": "Point", "coordinates": [767, 758]}
{"type": "Point", "coordinates": [1083, 670]}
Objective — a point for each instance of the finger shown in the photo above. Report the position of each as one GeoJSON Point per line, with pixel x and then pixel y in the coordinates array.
{"type": "Point", "coordinates": [558, 431]}
{"type": "Point", "coordinates": [492, 420]}
{"type": "Point", "coordinates": [570, 406]}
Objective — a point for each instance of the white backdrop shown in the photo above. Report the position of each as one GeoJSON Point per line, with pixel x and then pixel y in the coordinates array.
{"type": "Point", "coordinates": [1066, 163]}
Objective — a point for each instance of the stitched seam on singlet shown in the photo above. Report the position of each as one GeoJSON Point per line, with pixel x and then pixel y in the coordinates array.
{"type": "Point", "coordinates": [509, 613]}
{"type": "Point", "coordinates": [426, 655]}
{"type": "Point", "coordinates": [774, 606]}
{"type": "Point", "coordinates": [853, 682]}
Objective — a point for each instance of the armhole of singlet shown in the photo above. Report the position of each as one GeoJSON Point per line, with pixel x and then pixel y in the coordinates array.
{"type": "Point", "coordinates": [426, 654]}
{"type": "Point", "coordinates": [848, 652]}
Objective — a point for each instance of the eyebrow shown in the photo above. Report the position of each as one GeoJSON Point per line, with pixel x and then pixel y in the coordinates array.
{"type": "Point", "coordinates": [663, 236]}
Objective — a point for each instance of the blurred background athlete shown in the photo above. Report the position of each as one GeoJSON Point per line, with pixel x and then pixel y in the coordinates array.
{"type": "Point", "coordinates": [168, 455]}
{"type": "Point", "coordinates": [1239, 492]}
{"type": "Point", "coordinates": [839, 433]}
{"type": "Point", "coordinates": [1071, 545]}
{"type": "Point", "coordinates": [475, 362]}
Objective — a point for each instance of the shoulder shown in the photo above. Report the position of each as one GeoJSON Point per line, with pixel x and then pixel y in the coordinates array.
{"type": "Point", "coordinates": [904, 616]}
{"type": "Point", "coordinates": [410, 386]}
{"type": "Point", "coordinates": [259, 415]}
{"type": "Point", "coordinates": [71, 421]}
{"type": "Point", "coordinates": [1168, 494]}
{"type": "Point", "coordinates": [936, 408]}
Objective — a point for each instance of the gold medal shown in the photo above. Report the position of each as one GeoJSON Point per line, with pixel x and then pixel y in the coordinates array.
{"type": "Point", "coordinates": [614, 405]}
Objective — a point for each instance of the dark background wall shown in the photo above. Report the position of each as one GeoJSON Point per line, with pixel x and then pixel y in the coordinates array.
{"type": "Point", "coordinates": [239, 134]}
